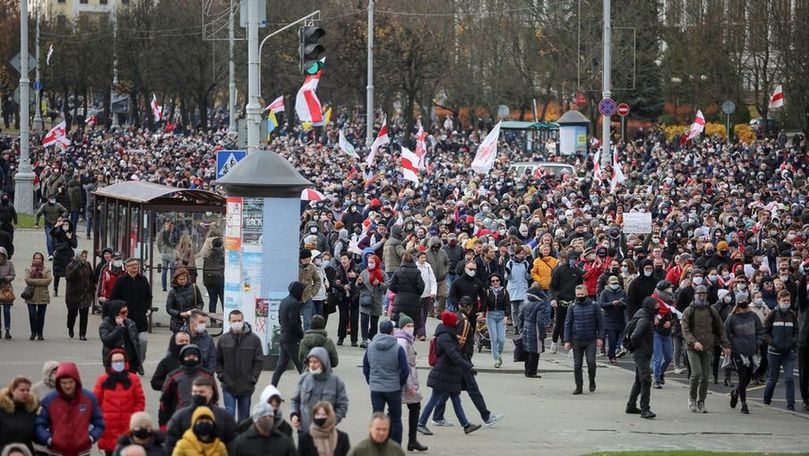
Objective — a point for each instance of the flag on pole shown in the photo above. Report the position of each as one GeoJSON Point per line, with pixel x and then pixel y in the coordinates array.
{"type": "Point", "coordinates": [307, 105]}
{"type": "Point", "coordinates": [276, 106]}
{"type": "Point", "coordinates": [597, 165]}
{"type": "Point", "coordinates": [487, 152]}
{"type": "Point", "coordinates": [421, 146]}
{"type": "Point", "coordinates": [381, 139]}
{"type": "Point", "coordinates": [347, 147]}
{"type": "Point", "coordinates": [777, 98]}
{"type": "Point", "coordinates": [157, 110]}
{"type": "Point", "coordinates": [272, 122]}
{"type": "Point", "coordinates": [327, 116]}
{"type": "Point", "coordinates": [697, 127]}
{"type": "Point", "coordinates": [57, 136]}
{"type": "Point", "coordinates": [91, 121]}
{"type": "Point", "coordinates": [410, 165]}
{"type": "Point", "coordinates": [50, 53]}
{"type": "Point", "coordinates": [617, 173]}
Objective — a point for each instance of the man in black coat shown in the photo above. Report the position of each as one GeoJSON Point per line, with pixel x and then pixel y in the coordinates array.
{"type": "Point", "coordinates": [641, 288]}
{"type": "Point", "coordinates": [408, 286]}
{"type": "Point", "coordinates": [564, 279]}
{"type": "Point", "coordinates": [133, 288]}
{"type": "Point", "coordinates": [468, 285]}
{"type": "Point", "coordinates": [202, 393]}
{"type": "Point", "coordinates": [239, 359]}
{"type": "Point", "coordinates": [171, 361]}
{"type": "Point", "coordinates": [289, 318]}
{"type": "Point", "coordinates": [263, 438]}
{"type": "Point", "coordinates": [642, 348]}
{"type": "Point", "coordinates": [118, 331]}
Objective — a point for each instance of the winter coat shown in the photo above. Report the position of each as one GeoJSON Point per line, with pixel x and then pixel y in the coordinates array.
{"type": "Point", "coordinates": [213, 263]}
{"type": "Point", "coordinates": [410, 390]}
{"type": "Point", "coordinates": [176, 392]}
{"type": "Point", "coordinates": [166, 243]}
{"type": "Point", "coordinates": [42, 388]}
{"type": "Point", "coordinates": [63, 250]}
{"type": "Point", "coordinates": [614, 316]}
{"type": "Point", "coordinates": [536, 314]}
{"type": "Point", "coordinates": [324, 284]}
{"type": "Point", "coordinates": [71, 425]}
{"type": "Point", "coordinates": [224, 424]}
{"type": "Point", "coordinates": [439, 260]}
{"type": "Point", "coordinates": [643, 335]}
{"type": "Point", "coordinates": [7, 243]}
{"type": "Point", "coordinates": [745, 332]}
{"type": "Point", "coordinates": [385, 364]}
{"type": "Point", "coordinates": [782, 331]}
{"type": "Point", "coordinates": [640, 288]}
{"type": "Point", "coordinates": [125, 337]}
{"type": "Point", "coordinates": [517, 277]}
{"type": "Point", "coordinates": [74, 193]}
{"type": "Point", "coordinates": [138, 296]}
{"type": "Point", "coordinates": [239, 359]}
{"type": "Point", "coordinates": [408, 286]}
{"type": "Point", "coordinates": [584, 322]}
{"type": "Point", "coordinates": [251, 443]}
{"type": "Point", "coordinates": [704, 325]}
{"type": "Point", "coordinates": [117, 406]}
{"type": "Point", "coordinates": [428, 277]}
{"type": "Point", "coordinates": [17, 421]}
{"type": "Point", "coordinates": [312, 388]}
{"type": "Point", "coordinates": [182, 298]}
{"type": "Point", "coordinates": [591, 275]}
{"type": "Point", "coordinates": [80, 286]}
{"type": "Point", "coordinates": [496, 302]}
{"type": "Point", "coordinates": [289, 317]}
{"type": "Point", "coordinates": [467, 286]}
{"type": "Point", "coordinates": [803, 312]}
{"type": "Point", "coordinates": [369, 447]}
{"type": "Point", "coordinates": [190, 445]}
{"type": "Point", "coordinates": [377, 293]}
{"type": "Point", "coordinates": [7, 273]}
{"type": "Point", "coordinates": [207, 349]}
{"type": "Point", "coordinates": [308, 276]}
{"type": "Point", "coordinates": [41, 293]}
{"type": "Point", "coordinates": [318, 338]}
{"type": "Point", "coordinates": [167, 365]}
{"type": "Point", "coordinates": [153, 448]}
{"type": "Point", "coordinates": [51, 212]}
{"type": "Point", "coordinates": [563, 283]}
{"type": "Point", "coordinates": [447, 374]}
{"type": "Point", "coordinates": [306, 445]}
{"type": "Point", "coordinates": [393, 250]}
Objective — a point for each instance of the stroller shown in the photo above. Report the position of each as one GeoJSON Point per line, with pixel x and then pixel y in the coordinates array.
{"type": "Point", "coordinates": [482, 339]}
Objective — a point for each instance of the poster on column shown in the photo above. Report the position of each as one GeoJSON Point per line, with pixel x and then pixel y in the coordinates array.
{"type": "Point", "coordinates": [252, 238]}
{"type": "Point", "coordinates": [233, 259]}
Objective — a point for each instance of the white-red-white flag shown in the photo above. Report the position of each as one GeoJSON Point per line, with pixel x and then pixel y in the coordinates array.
{"type": "Point", "coordinates": [276, 106]}
{"type": "Point", "coordinates": [597, 165]}
{"type": "Point", "coordinates": [617, 173]}
{"type": "Point", "coordinates": [307, 105]}
{"type": "Point", "coordinates": [410, 165]}
{"type": "Point", "coordinates": [50, 53]}
{"type": "Point", "coordinates": [382, 139]}
{"type": "Point", "coordinates": [421, 146]}
{"type": "Point", "coordinates": [57, 137]}
{"type": "Point", "coordinates": [777, 98]}
{"type": "Point", "coordinates": [697, 127]}
{"type": "Point", "coordinates": [487, 152]}
{"type": "Point", "coordinates": [91, 121]}
{"type": "Point", "coordinates": [157, 110]}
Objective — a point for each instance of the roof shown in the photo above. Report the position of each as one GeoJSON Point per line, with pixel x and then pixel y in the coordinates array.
{"type": "Point", "coordinates": [263, 173]}
{"type": "Point", "coordinates": [573, 117]}
{"type": "Point", "coordinates": [145, 192]}
{"type": "Point", "coordinates": [522, 125]}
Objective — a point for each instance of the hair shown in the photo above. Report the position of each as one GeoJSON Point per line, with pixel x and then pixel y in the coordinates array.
{"type": "Point", "coordinates": [235, 312]}
{"type": "Point", "coordinates": [784, 294]}
{"type": "Point", "coordinates": [133, 450]}
{"type": "Point", "coordinates": [376, 416]}
{"type": "Point", "coordinates": [407, 258]}
{"type": "Point", "coordinates": [132, 260]}
{"type": "Point", "coordinates": [13, 449]}
{"type": "Point", "coordinates": [181, 332]}
{"type": "Point", "coordinates": [19, 381]}
{"type": "Point", "coordinates": [326, 405]}
{"type": "Point", "coordinates": [581, 287]}
{"type": "Point", "coordinates": [197, 313]}
{"type": "Point", "coordinates": [204, 381]}
{"type": "Point", "coordinates": [421, 254]}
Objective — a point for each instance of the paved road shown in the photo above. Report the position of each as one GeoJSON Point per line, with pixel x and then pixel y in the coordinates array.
{"type": "Point", "coordinates": [541, 415]}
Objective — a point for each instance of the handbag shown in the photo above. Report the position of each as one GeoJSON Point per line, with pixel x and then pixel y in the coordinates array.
{"type": "Point", "coordinates": [27, 293]}
{"type": "Point", "coordinates": [7, 295]}
{"type": "Point", "coordinates": [366, 300]}
{"type": "Point", "coordinates": [519, 352]}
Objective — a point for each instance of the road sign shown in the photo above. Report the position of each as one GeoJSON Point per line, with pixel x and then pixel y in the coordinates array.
{"type": "Point", "coordinates": [16, 62]}
{"type": "Point", "coordinates": [37, 85]}
{"type": "Point", "coordinates": [581, 100]}
{"type": "Point", "coordinates": [607, 107]}
{"type": "Point", "coordinates": [623, 110]}
{"type": "Point", "coordinates": [728, 107]}
{"type": "Point", "coordinates": [226, 160]}
{"type": "Point", "coordinates": [32, 100]}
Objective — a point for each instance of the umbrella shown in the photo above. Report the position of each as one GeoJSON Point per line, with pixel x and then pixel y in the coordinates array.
{"type": "Point", "coordinates": [311, 194]}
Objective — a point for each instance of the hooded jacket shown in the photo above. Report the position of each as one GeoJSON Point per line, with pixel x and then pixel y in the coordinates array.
{"type": "Point", "coordinates": [176, 392]}
{"type": "Point", "coordinates": [191, 445]}
{"type": "Point", "coordinates": [80, 285]}
{"type": "Point", "coordinates": [65, 425]}
{"type": "Point", "coordinates": [643, 335]}
{"type": "Point", "coordinates": [114, 336]}
{"type": "Point", "coordinates": [447, 374]}
{"type": "Point", "coordinates": [408, 286]}
{"type": "Point", "coordinates": [385, 364]}
{"type": "Point", "coordinates": [167, 365]}
{"type": "Point", "coordinates": [239, 359]}
{"type": "Point", "coordinates": [182, 298]}
{"type": "Point", "coordinates": [7, 273]}
{"type": "Point", "coordinates": [289, 317]}
{"type": "Point", "coordinates": [439, 259]}
{"type": "Point", "coordinates": [312, 388]}
{"type": "Point", "coordinates": [318, 338]}
{"type": "Point", "coordinates": [17, 421]}
{"type": "Point", "coordinates": [44, 387]}
{"type": "Point", "coordinates": [393, 250]}
{"type": "Point", "coordinates": [117, 406]}
{"type": "Point", "coordinates": [640, 288]}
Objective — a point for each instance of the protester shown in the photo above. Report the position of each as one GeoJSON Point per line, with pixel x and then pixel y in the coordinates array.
{"type": "Point", "coordinates": [18, 413]}
{"type": "Point", "coordinates": [167, 239]}
{"type": "Point", "coordinates": [213, 273]}
{"type": "Point", "coordinates": [405, 337]}
{"type": "Point", "coordinates": [745, 332]}
{"type": "Point", "coordinates": [408, 286]}
{"type": "Point", "coordinates": [378, 442]}
{"type": "Point", "coordinates": [263, 437]}
{"type": "Point", "coordinates": [7, 296]}
{"type": "Point", "coordinates": [203, 394]}
{"type": "Point", "coordinates": [372, 284]}
{"type": "Point", "coordinates": [289, 321]}
{"type": "Point", "coordinates": [64, 241]}
{"type": "Point", "coordinates": [781, 328]}
{"type": "Point", "coordinates": [239, 361]}
{"type": "Point", "coordinates": [612, 301]}
{"type": "Point", "coordinates": [53, 213]}
{"type": "Point", "coordinates": [37, 277]}
{"type": "Point", "coordinates": [319, 299]}
{"type": "Point", "coordinates": [536, 314]}
{"type": "Point", "coordinates": [184, 257]}
{"type": "Point", "coordinates": [386, 369]}
{"type": "Point", "coordinates": [428, 296]}
{"type": "Point", "coordinates": [178, 389]}
{"type": "Point", "coordinates": [200, 439]}
{"type": "Point", "coordinates": [318, 337]}
{"type": "Point", "coordinates": [642, 338]}
{"type": "Point", "coordinates": [517, 276]}
{"type": "Point", "coordinates": [79, 293]}
{"type": "Point", "coordinates": [347, 291]}
{"type": "Point", "coordinates": [198, 330]}
{"type": "Point", "coordinates": [564, 282]}
{"type": "Point", "coordinates": [270, 395]}
{"type": "Point", "coordinates": [120, 395]}
{"type": "Point", "coordinates": [663, 324]}
{"type": "Point", "coordinates": [584, 332]}
{"type": "Point", "coordinates": [117, 331]}
{"type": "Point", "coordinates": [48, 383]}
{"type": "Point", "coordinates": [142, 432]}
{"type": "Point", "coordinates": [318, 383]}
{"type": "Point", "coordinates": [133, 288]}
{"type": "Point", "coordinates": [183, 297]}
{"type": "Point", "coordinates": [108, 274]}
{"type": "Point", "coordinates": [497, 307]}
{"type": "Point", "coordinates": [171, 361]}
{"type": "Point", "coordinates": [308, 275]}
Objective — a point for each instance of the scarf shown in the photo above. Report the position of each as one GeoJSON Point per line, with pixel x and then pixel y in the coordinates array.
{"type": "Point", "coordinates": [325, 438]}
{"type": "Point", "coordinates": [375, 273]}
{"type": "Point", "coordinates": [36, 271]}
{"type": "Point", "coordinates": [114, 378]}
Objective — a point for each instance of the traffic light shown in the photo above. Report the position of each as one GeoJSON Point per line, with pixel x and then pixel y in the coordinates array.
{"type": "Point", "coordinates": [309, 50]}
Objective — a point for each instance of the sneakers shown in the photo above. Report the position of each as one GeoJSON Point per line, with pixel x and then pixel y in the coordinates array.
{"type": "Point", "coordinates": [442, 423]}
{"type": "Point", "coordinates": [422, 429]}
{"type": "Point", "coordinates": [745, 410]}
{"type": "Point", "coordinates": [692, 406]}
{"type": "Point", "coordinates": [701, 407]}
{"type": "Point", "coordinates": [554, 347]}
{"type": "Point", "coordinates": [50, 257]}
{"type": "Point", "coordinates": [647, 415]}
{"type": "Point", "coordinates": [470, 428]}
{"type": "Point", "coordinates": [678, 370]}
{"type": "Point", "coordinates": [498, 363]}
{"type": "Point", "coordinates": [632, 409]}
{"type": "Point", "coordinates": [364, 344]}
{"type": "Point", "coordinates": [613, 361]}
{"type": "Point", "coordinates": [734, 399]}
{"type": "Point", "coordinates": [657, 386]}
{"type": "Point", "coordinates": [494, 418]}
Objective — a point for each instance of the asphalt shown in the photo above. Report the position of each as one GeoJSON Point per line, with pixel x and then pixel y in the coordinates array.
{"type": "Point", "coordinates": [541, 414]}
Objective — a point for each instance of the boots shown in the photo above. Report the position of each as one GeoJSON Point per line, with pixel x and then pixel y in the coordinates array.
{"type": "Point", "coordinates": [8, 334]}
{"type": "Point", "coordinates": [414, 445]}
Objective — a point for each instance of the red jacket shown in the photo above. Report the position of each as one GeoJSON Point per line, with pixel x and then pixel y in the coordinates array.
{"type": "Point", "coordinates": [117, 406]}
{"type": "Point", "coordinates": [108, 279]}
{"type": "Point", "coordinates": [591, 275]}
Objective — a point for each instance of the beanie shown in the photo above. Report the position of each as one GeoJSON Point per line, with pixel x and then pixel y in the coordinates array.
{"type": "Point", "coordinates": [140, 420]}
{"type": "Point", "coordinates": [404, 320]}
{"type": "Point", "coordinates": [386, 327]}
{"type": "Point", "coordinates": [305, 253]}
{"type": "Point", "coordinates": [449, 319]}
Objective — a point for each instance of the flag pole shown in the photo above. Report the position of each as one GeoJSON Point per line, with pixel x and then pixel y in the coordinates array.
{"type": "Point", "coordinates": [369, 108]}
{"type": "Point", "coordinates": [24, 179]}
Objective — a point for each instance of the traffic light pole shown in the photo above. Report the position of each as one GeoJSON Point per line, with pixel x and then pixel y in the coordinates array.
{"type": "Point", "coordinates": [24, 179]}
{"type": "Point", "coordinates": [253, 70]}
{"type": "Point", "coordinates": [369, 113]}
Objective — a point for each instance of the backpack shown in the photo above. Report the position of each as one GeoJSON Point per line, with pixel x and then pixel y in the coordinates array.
{"type": "Point", "coordinates": [432, 353]}
{"type": "Point", "coordinates": [626, 342]}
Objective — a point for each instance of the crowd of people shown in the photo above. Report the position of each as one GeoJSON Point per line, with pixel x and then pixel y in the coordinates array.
{"type": "Point", "coordinates": [716, 287]}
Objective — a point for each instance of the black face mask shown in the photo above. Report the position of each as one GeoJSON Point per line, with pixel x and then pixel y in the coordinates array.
{"type": "Point", "coordinates": [319, 421]}
{"type": "Point", "coordinates": [141, 433]}
{"type": "Point", "coordinates": [199, 400]}
{"type": "Point", "coordinates": [580, 300]}
{"type": "Point", "coordinates": [204, 431]}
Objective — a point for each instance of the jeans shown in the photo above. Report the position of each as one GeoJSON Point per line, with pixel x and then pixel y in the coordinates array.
{"type": "Point", "coordinates": [394, 401]}
{"type": "Point", "coordinates": [439, 397]}
{"type": "Point", "coordinates": [89, 216]}
{"type": "Point", "coordinates": [7, 316]}
{"type": "Point", "coordinates": [307, 310]}
{"type": "Point", "coordinates": [72, 313]}
{"type": "Point", "coordinates": [662, 356]}
{"type": "Point", "coordinates": [787, 360]}
{"type": "Point", "coordinates": [680, 357]}
{"type": "Point", "coordinates": [349, 317]}
{"type": "Point", "coordinates": [143, 343]}
{"type": "Point", "coordinates": [450, 304]}
{"type": "Point", "coordinates": [745, 375]}
{"type": "Point", "coordinates": [495, 320]}
{"type": "Point", "coordinates": [613, 340]}
{"type": "Point", "coordinates": [319, 307]}
{"type": "Point", "coordinates": [560, 313]}
{"type": "Point", "coordinates": [49, 243]}
{"type": "Point", "coordinates": [36, 317]}
{"type": "Point", "coordinates": [242, 402]}
{"type": "Point", "coordinates": [426, 305]}
{"type": "Point", "coordinates": [74, 219]}
{"type": "Point", "coordinates": [288, 351]}
{"type": "Point", "coordinates": [581, 350]}
{"type": "Point", "coordinates": [516, 315]}
{"type": "Point", "coordinates": [473, 390]}
{"type": "Point", "coordinates": [643, 383]}
{"type": "Point", "coordinates": [166, 266]}
{"type": "Point", "coordinates": [368, 325]}
{"type": "Point", "coordinates": [700, 362]}
{"type": "Point", "coordinates": [216, 294]}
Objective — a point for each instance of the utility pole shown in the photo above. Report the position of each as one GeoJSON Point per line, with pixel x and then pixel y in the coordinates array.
{"type": "Point", "coordinates": [606, 151]}
{"type": "Point", "coordinates": [253, 107]}
{"type": "Point", "coordinates": [369, 108]}
{"type": "Point", "coordinates": [114, 90]}
{"type": "Point", "coordinates": [24, 179]}
{"type": "Point", "coordinates": [231, 71]}
{"type": "Point", "coordinates": [37, 109]}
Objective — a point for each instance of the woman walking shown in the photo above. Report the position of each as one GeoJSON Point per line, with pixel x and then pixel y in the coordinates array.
{"type": "Point", "coordinates": [429, 293]}
{"type": "Point", "coordinates": [536, 317]}
{"type": "Point", "coordinates": [79, 293]}
{"type": "Point", "coordinates": [411, 396]}
{"type": "Point", "coordinates": [7, 275]}
{"type": "Point", "coordinates": [745, 332]}
{"type": "Point", "coordinates": [120, 395]}
{"type": "Point", "coordinates": [612, 301]}
{"type": "Point", "coordinates": [345, 284]}
{"type": "Point", "coordinates": [497, 307]}
{"type": "Point", "coordinates": [184, 257]}
{"type": "Point", "coordinates": [408, 286]}
{"type": "Point", "coordinates": [64, 241]}
{"type": "Point", "coordinates": [38, 277]}
{"type": "Point", "coordinates": [182, 299]}
{"type": "Point", "coordinates": [323, 439]}
{"type": "Point", "coordinates": [373, 283]}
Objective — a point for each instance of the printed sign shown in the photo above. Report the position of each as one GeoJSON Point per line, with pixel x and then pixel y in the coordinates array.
{"type": "Point", "coordinates": [637, 223]}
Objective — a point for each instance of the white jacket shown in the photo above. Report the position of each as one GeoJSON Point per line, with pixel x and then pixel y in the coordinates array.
{"type": "Point", "coordinates": [428, 276]}
{"type": "Point", "coordinates": [321, 292]}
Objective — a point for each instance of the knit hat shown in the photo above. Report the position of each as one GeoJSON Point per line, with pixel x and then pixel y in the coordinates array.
{"type": "Point", "coordinates": [386, 327]}
{"type": "Point", "coordinates": [449, 319]}
{"type": "Point", "coordinates": [262, 409]}
{"type": "Point", "coordinates": [141, 420]}
{"type": "Point", "coordinates": [318, 322]}
{"type": "Point", "coordinates": [404, 320]}
{"type": "Point", "coordinates": [305, 253]}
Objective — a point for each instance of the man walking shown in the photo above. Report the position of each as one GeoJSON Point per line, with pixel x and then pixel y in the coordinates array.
{"type": "Point", "coordinates": [289, 319]}
{"type": "Point", "coordinates": [584, 332]}
{"type": "Point", "coordinates": [308, 275]}
{"type": "Point", "coordinates": [52, 211]}
{"type": "Point", "coordinates": [782, 334]}
{"type": "Point", "coordinates": [564, 279]}
{"type": "Point", "coordinates": [642, 339]}
{"type": "Point", "coordinates": [386, 370]}
{"type": "Point", "coordinates": [133, 288]}
{"type": "Point", "coordinates": [239, 358]}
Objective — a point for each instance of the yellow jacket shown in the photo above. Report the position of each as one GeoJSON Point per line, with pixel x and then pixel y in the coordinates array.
{"type": "Point", "coordinates": [541, 272]}
{"type": "Point", "coordinates": [190, 445]}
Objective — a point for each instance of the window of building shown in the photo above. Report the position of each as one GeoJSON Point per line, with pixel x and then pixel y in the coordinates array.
{"type": "Point", "coordinates": [83, 2]}
{"type": "Point", "coordinates": [61, 21]}
{"type": "Point", "coordinates": [102, 2]}
{"type": "Point", "coordinates": [61, 1]}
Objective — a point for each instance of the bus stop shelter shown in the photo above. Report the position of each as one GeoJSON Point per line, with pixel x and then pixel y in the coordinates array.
{"type": "Point", "coordinates": [536, 132]}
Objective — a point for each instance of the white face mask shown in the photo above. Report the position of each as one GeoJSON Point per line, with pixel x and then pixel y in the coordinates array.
{"type": "Point", "coordinates": [471, 272]}
{"type": "Point", "coordinates": [697, 280]}
{"type": "Point", "coordinates": [319, 370]}
{"type": "Point", "coordinates": [237, 326]}
{"type": "Point", "coordinates": [118, 263]}
{"type": "Point", "coordinates": [118, 366]}
{"type": "Point", "coordinates": [201, 328]}
{"type": "Point", "coordinates": [371, 265]}
{"type": "Point", "coordinates": [408, 331]}
{"type": "Point", "coordinates": [784, 307]}
{"type": "Point", "coordinates": [647, 273]}
{"type": "Point", "coordinates": [614, 286]}
{"type": "Point", "coordinates": [712, 277]}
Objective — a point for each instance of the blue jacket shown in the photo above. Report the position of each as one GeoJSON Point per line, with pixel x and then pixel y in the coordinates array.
{"type": "Point", "coordinates": [518, 275]}
{"type": "Point", "coordinates": [584, 322]}
{"type": "Point", "coordinates": [385, 364]}
{"type": "Point", "coordinates": [536, 314]}
{"type": "Point", "coordinates": [614, 316]}
{"type": "Point", "coordinates": [782, 331]}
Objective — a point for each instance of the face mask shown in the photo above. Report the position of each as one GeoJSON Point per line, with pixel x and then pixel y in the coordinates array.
{"type": "Point", "coordinates": [616, 270]}
{"type": "Point", "coordinates": [371, 265]}
{"type": "Point", "coordinates": [199, 400]}
{"type": "Point", "coordinates": [647, 272]}
{"type": "Point", "coordinates": [697, 280]}
{"type": "Point", "coordinates": [237, 327]}
{"type": "Point", "coordinates": [319, 421]}
{"type": "Point", "coordinates": [614, 286]}
{"type": "Point", "coordinates": [453, 242]}
{"type": "Point", "coordinates": [266, 424]}
{"type": "Point", "coordinates": [313, 230]}
{"type": "Point", "coordinates": [700, 301]}
{"type": "Point", "coordinates": [200, 328]}
{"type": "Point", "coordinates": [409, 331]}
{"type": "Point", "coordinates": [471, 272]}
{"type": "Point", "coordinates": [741, 287]}
{"type": "Point", "coordinates": [580, 300]}
{"type": "Point", "coordinates": [712, 277]}
{"type": "Point", "coordinates": [784, 307]}
{"type": "Point", "coordinates": [203, 429]}
{"type": "Point", "coordinates": [625, 270]}
{"type": "Point", "coordinates": [571, 264]}
{"type": "Point", "coordinates": [742, 305]}
{"type": "Point", "coordinates": [51, 201]}
{"type": "Point", "coordinates": [189, 362]}
{"type": "Point", "coordinates": [141, 433]}
{"type": "Point", "coordinates": [118, 263]}
{"type": "Point", "coordinates": [435, 248]}
{"type": "Point", "coordinates": [727, 299]}
{"type": "Point", "coordinates": [118, 366]}
{"type": "Point", "coordinates": [758, 302]}
{"type": "Point", "coordinates": [319, 370]}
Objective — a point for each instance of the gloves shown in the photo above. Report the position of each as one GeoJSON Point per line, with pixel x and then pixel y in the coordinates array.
{"type": "Point", "coordinates": [474, 371]}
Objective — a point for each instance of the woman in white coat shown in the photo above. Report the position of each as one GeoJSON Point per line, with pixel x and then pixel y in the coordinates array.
{"type": "Point", "coordinates": [428, 295]}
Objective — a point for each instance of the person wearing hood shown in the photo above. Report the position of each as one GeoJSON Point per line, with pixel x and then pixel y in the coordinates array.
{"type": "Point", "coordinates": [429, 294]}
{"type": "Point", "coordinates": [65, 240]}
{"type": "Point", "coordinates": [564, 280]}
{"type": "Point", "coordinates": [386, 369]}
{"type": "Point", "coordinates": [120, 395]}
{"type": "Point", "coordinates": [640, 288]}
{"type": "Point", "coordinates": [318, 383]}
{"type": "Point", "coordinates": [584, 332]}
{"type": "Point", "coordinates": [309, 276]}
{"type": "Point", "coordinates": [118, 331]}
{"type": "Point", "coordinates": [142, 432]}
{"type": "Point", "coordinates": [70, 421]}
{"type": "Point", "coordinates": [108, 273]}
{"type": "Point", "coordinates": [289, 320]}
{"type": "Point", "coordinates": [372, 283]}
{"type": "Point", "coordinates": [663, 324]}
{"type": "Point", "coordinates": [745, 332]}
{"type": "Point", "coordinates": [184, 297]}
{"type": "Point", "coordinates": [171, 361]}
{"type": "Point", "coordinates": [178, 389]}
{"type": "Point", "coordinates": [239, 359]}
{"type": "Point", "coordinates": [318, 337]}
{"type": "Point", "coordinates": [408, 286]}
{"type": "Point", "coordinates": [18, 413]}
{"type": "Point", "coordinates": [38, 277]}
{"type": "Point", "coordinates": [8, 215]}
{"type": "Point", "coordinates": [612, 301]}
{"type": "Point", "coordinates": [79, 293]}
{"type": "Point", "coordinates": [7, 276]}
{"type": "Point", "coordinates": [440, 262]}
{"type": "Point", "coordinates": [52, 211]}
{"type": "Point", "coordinates": [378, 442]}
{"type": "Point", "coordinates": [724, 306]}
{"type": "Point", "coordinates": [263, 438]}
{"type": "Point", "coordinates": [536, 317]}
{"type": "Point", "coordinates": [200, 439]}
{"type": "Point", "coordinates": [48, 383]}
{"type": "Point", "coordinates": [134, 288]}
{"type": "Point", "coordinates": [203, 394]}
{"type": "Point", "coordinates": [646, 318]}
{"type": "Point", "coordinates": [393, 251]}
{"type": "Point", "coordinates": [319, 299]}
{"type": "Point", "coordinates": [323, 439]}
{"type": "Point", "coordinates": [270, 395]}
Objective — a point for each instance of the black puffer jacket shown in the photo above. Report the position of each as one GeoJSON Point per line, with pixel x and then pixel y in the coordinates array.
{"type": "Point", "coordinates": [640, 288]}
{"type": "Point", "coordinates": [289, 317]}
{"type": "Point", "coordinates": [63, 249]}
{"type": "Point", "coordinates": [447, 375]}
{"type": "Point", "coordinates": [643, 335]}
{"type": "Point", "coordinates": [124, 336]}
{"type": "Point", "coordinates": [182, 299]}
{"type": "Point", "coordinates": [408, 286]}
